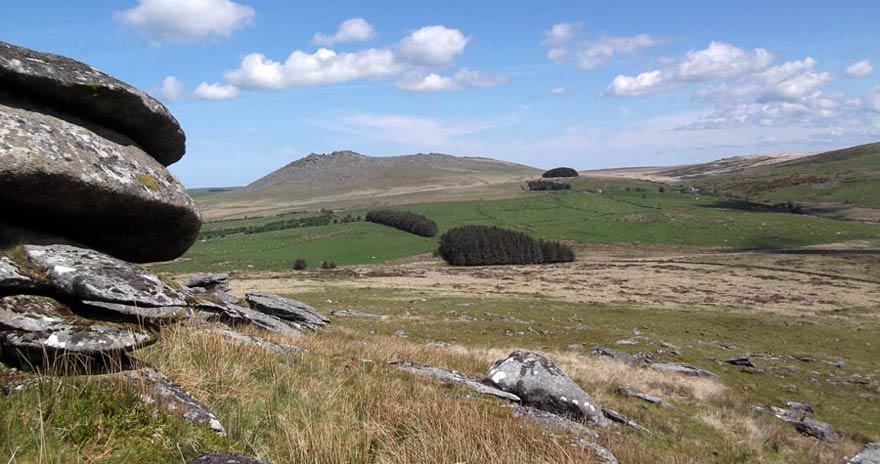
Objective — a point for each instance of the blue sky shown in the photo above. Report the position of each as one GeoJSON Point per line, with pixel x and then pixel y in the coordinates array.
{"type": "Point", "coordinates": [257, 84]}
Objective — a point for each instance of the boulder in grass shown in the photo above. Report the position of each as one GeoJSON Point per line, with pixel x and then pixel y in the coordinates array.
{"type": "Point", "coordinates": [540, 384]}
{"type": "Point", "coordinates": [870, 454]}
{"type": "Point", "coordinates": [222, 457]}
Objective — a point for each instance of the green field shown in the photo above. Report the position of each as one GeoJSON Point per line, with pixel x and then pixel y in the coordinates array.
{"type": "Point", "coordinates": [618, 215]}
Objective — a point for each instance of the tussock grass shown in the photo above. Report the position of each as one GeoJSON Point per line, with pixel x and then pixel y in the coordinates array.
{"type": "Point", "coordinates": [342, 403]}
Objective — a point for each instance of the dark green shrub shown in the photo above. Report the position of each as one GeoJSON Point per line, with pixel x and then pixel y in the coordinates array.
{"type": "Point", "coordinates": [300, 264]}
{"type": "Point", "coordinates": [328, 265]}
{"type": "Point", "coordinates": [538, 185]}
{"type": "Point", "coordinates": [487, 245]}
{"type": "Point", "coordinates": [404, 220]}
{"type": "Point", "coordinates": [560, 172]}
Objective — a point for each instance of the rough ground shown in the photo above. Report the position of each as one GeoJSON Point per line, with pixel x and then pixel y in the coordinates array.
{"type": "Point", "coordinates": [834, 278]}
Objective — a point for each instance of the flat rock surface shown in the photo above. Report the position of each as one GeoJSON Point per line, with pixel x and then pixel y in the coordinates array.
{"type": "Point", "coordinates": [83, 91]}
{"type": "Point", "coordinates": [455, 377]}
{"type": "Point", "coordinates": [29, 313]}
{"type": "Point", "coordinates": [91, 185]}
{"type": "Point", "coordinates": [234, 314]}
{"type": "Point", "coordinates": [11, 277]}
{"type": "Point", "coordinates": [539, 383]}
{"type": "Point", "coordinates": [629, 391]}
{"type": "Point", "coordinates": [88, 275]}
{"type": "Point", "coordinates": [161, 391]}
{"type": "Point", "coordinates": [293, 311]}
{"type": "Point", "coordinates": [222, 457]}
{"type": "Point", "coordinates": [208, 281]}
{"type": "Point", "coordinates": [683, 369]}
{"type": "Point", "coordinates": [92, 341]}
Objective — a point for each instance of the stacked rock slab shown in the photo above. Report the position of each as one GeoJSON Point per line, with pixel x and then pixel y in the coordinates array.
{"type": "Point", "coordinates": [83, 156]}
{"type": "Point", "coordinates": [84, 189]}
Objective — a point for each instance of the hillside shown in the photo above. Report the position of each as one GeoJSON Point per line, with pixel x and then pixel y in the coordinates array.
{"type": "Point", "coordinates": [346, 178]}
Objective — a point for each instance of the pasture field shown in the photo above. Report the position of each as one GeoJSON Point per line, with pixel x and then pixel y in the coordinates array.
{"type": "Point", "coordinates": [625, 212]}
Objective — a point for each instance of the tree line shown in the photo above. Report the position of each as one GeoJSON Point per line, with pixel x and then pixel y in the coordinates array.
{"type": "Point", "coordinates": [404, 220]}
{"type": "Point", "coordinates": [490, 245]}
{"type": "Point", "coordinates": [537, 185]}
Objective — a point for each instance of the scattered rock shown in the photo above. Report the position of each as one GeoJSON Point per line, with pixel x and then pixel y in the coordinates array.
{"type": "Point", "coordinates": [11, 278]}
{"type": "Point", "coordinates": [222, 457]}
{"type": "Point", "coordinates": [683, 369]}
{"type": "Point", "coordinates": [548, 419]}
{"type": "Point", "coordinates": [870, 454]}
{"type": "Point", "coordinates": [638, 394]}
{"type": "Point", "coordinates": [437, 344]}
{"type": "Point", "coordinates": [234, 315]}
{"type": "Point", "coordinates": [295, 312]}
{"type": "Point", "coordinates": [400, 334]}
{"type": "Point", "coordinates": [454, 377]}
{"type": "Point", "coordinates": [623, 356]}
{"type": "Point", "coordinates": [259, 342]}
{"type": "Point", "coordinates": [575, 346]}
{"type": "Point", "coordinates": [621, 419]}
{"type": "Point", "coordinates": [85, 92]}
{"type": "Point", "coordinates": [744, 360]}
{"type": "Point", "coordinates": [156, 389]}
{"type": "Point", "coordinates": [626, 342]}
{"type": "Point", "coordinates": [208, 282]}
{"type": "Point", "coordinates": [817, 429]}
{"type": "Point", "coordinates": [539, 383]}
{"type": "Point", "coordinates": [354, 313]}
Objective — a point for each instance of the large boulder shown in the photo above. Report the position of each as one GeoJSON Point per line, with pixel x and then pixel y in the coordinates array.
{"type": "Point", "coordinates": [89, 184]}
{"type": "Point", "coordinates": [81, 90]}
{"type": "Point", "coordinates": [540, 384]}
{"type": "Point", "coordinates": [294, 312]}
{"type": "Point", "coordinates": [222, 457]}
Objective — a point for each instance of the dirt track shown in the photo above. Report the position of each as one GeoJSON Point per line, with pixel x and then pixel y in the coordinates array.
{"type": "Point", "coordinates": [667, 278]}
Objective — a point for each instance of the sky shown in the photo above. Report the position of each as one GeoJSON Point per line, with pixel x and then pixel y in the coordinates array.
{"type": "Point", "coordinates": [258, 84]}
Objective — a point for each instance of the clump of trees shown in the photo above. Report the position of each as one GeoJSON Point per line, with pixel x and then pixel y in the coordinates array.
{"type": "Point", "coordinates": [536, 185]}
{"type": "Point", "coordinates": [328, 264]}
{"type": "Point", "coordinates": [300, 264]}
{"type": "Point", "coordinates": [560, 172]}
{"type": "Point", "coordinates": [404, 220]}
{"type": "Point", "coordinates": [489, 245]}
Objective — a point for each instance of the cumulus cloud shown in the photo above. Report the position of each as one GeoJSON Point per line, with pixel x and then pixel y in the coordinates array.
{"type": "Point", "coordinates": [860, 69]}
{"type": "Point", "coordinates": [415, 81]}
{"type": "Point", "coordinates": [351, 30]}
{"type": "Point", "coordinates": [187, 20]}
{"type": "Point", "coordinates": [873, 99]}
{"type": "Point", "coordinates": [216, 91]}
{"type": "Point", "coordinates": [419, 81]}
{"type": "Point", "coordinates": [172, 88]}
{"type": "Point", "coordinates": [433, 46]}
{"type": "Point", "coordinates": [717, 61]}
{"type": "Point", "coordinates": [303, 69]}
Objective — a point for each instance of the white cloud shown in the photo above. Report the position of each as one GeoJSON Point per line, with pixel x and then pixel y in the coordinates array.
{"type": "Point", "coordinates": [590, 55]}
{"type": "Point", "coordinates": [433, 46]}
{"type": "Point", "coordinates": [415, 81]}
{"type": "Point", "coordinates": [216, 91]}
{"type": "Point", "coordinates": [860, 69]}
{"type": "Point", "coordinates": [303, 69]}
{"type": "Point", "coordinates": [631, 86]}
{"type": "Point", "coordinates": [718, 61]}
{"type": "Point", "coordinates": [560, 91]}
{"type": "Point", "coordinates": [790, 81]}
{"type": "Point", "coordinates": [479, 79]}
{"type": "Point", "coordinates": [187, 20]}
{"type": "Point", "coordinates": [874, 99]}
{"type": "Point", "coordinates": [419, 81]}
{"type": "Point", "coordinates": [172, 88]}
{"type": "Point", "coordinates": [351, 30]}
{"type": "Point", "coordinates": [556, 39]}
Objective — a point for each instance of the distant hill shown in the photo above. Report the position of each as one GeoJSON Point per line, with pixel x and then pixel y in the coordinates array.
{"type": "Point", "coordinates": [347, 178]}
{"type": "Point", "coordinates": [849, 176]}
